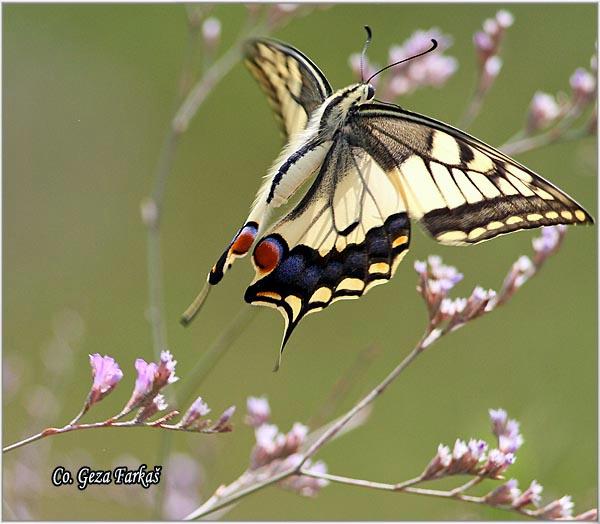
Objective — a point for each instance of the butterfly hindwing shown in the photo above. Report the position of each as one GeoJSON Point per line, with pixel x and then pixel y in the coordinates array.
{"type": "Point", "coordinates": [462, 190]}
{"type": "Point", "coordinates": [293, 84]}
{"type": "Point", "coordinates": [347, 234]}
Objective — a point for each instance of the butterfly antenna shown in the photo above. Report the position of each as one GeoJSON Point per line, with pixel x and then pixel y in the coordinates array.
{"type": "Point", "coordinates": [195, 306]}
{"type": "Point", "coordinates": [434, 44]}
{"type": "Point", "coordinates": [364, 53]}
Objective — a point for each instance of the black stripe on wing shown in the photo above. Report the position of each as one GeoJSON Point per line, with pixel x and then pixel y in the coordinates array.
{"type": "Point", "coordinates": [293, 84]}
{"type": "Point", "coordinates": [304, 281]}
{"type": "Point", "coordinates": [462, 190]}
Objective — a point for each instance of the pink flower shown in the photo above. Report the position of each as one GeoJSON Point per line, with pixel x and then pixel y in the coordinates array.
{"type": "Point", "coordinates": [504, 495]}
{"type": "Point", "coordinates": [106, 373]}
{"type": "Point", "coordinates": [198, 409]}
{"type": "Point", "coordinates": [532, 495]}
{"type": "Point", "coordinates": [558, 509]}
{"type": "Point", "coordinates": [543, 110]}
{"type": "Point", "coordinates": [507, 430]}
{"type": "Point", "coordinates": [497, 463]}
{"type": "Point", "coordinates": [211, 31]}
{"type": "Point", "coordinates": [259, 411]}
{"type": "Point", "coordinates": [151, 378]}
{"type": "Point", "coordinates": [158, 404]}
{"type": "Point", "coordinates": [145, 377]}
{"type": "Point", "coordinates": [439, 464]}
{"type": "Point", "coordinates": [165, 374]}
{"type": "Point", "coordinates": [222, 425]}
{"type": "Point", "coordinates": [303, 485]}
{"type": "Point", "coordinates": [583, 85]}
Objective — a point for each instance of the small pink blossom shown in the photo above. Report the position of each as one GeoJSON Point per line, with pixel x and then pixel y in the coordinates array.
{"type": "Point", "coordinates": [491, 69]}
{"type": "Point", "coordinates": [222, 425]}
{"type": "Point", "coordinates": [497, 463]}
{"type": "Point", "coordinates": [198, 409]}
{"type": "Point", "coordinates": [506, 430]}
{"type": "Point", "coordinates": [504, 495]}
{"type": "Point", "coordinates": [303, 485]}
{"type": "Point", "coordinates": [583, 85]}
{"type": "Point", "coordinates": [543, 110]}
{"type": "Point", "coordinates": [548, 242]}
{"type": "Point", "coordinates": [151, 378]}
{"type": "Point", "coordinates": [211, 31]}
{"type": "Point", "coordinates": [590, 515]}
{"type": "Point", "coordinates": [106, 373]}
{"type": "Point", "coordinates": [532, 495]}
{"type": "Point", "coordinates": [504, 18]}
{"type": "Point", "coordinates": [259, 411]}
{"type": "Point", "coordinates": [558, 509]}
{"type": "Point", "coordinates": [158, 404]}
{"type": "Point", "coordinates": [438, 464]}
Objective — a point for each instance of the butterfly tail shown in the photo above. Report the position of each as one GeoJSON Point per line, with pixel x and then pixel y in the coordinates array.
{"type": "Point", "coordinates": [238, 247]}
{"type": "Point", "coordinates": [194, 308]}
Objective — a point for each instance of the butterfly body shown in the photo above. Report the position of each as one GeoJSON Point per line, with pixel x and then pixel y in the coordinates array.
{"type": "Point", "coordinates": [374, 167]}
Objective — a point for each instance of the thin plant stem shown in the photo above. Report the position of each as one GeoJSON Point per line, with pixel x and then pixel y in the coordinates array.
{"type": "Point", "coordinates": [360, 482]}
{"type": "Point", "coordinates": [545, 139]}
{"type": "Point", "coordinates": [408, 487]}
{"type": "Point", "coordinates": [104, 424]}
{"type": "Point", "coordinates": [210, 507]}
{"type": "Point", "coordinates": [365, 401]}
{"type": "Point", "coordinates": [473, 109]}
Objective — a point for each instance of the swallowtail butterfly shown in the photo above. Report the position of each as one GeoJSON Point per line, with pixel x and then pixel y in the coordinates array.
{"type": "Point", "coordinates": [375, 166]}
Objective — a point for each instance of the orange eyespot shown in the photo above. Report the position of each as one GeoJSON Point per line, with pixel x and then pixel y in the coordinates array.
{"type": "Point", "coordinates": [267, 255]}
{"type": "Point", "coordinates": [243, 242]}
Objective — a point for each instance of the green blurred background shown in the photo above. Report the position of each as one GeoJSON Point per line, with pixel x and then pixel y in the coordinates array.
{"type": "Point", "coordinates": [88, 93]}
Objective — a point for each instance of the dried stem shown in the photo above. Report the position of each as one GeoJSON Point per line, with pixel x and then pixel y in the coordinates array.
{"type": "Point", "coordinates": [107, 424]}
{"type": "Point", "coordinates": [473, 109]}
{"type": "Point", "coordinates": [408, 487]}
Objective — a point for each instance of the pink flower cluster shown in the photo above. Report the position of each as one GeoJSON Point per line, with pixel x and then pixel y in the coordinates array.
{"type": "Point", "coordinates": [473, 457]}
{"type": "Point", "coordinates": [146, 398]}
{"type": "Point", "coordinates": [151, 378]}
{"type": "Point", "coordinates": [435, 282]}
{"type": "Point", "coordinates": [275, 451]}
{"type": "Point", "coordinates": [431, 70]}
{"type": "Point", "coordinates": [487, 45]}
{"type": "Point", "coordinates": [509, 495]}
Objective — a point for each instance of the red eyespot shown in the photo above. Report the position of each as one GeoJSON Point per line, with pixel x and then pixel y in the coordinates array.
{"type": "Point", "coordinates": [243, 241]}
{"type": "Point", "coordinates": [267, 254]}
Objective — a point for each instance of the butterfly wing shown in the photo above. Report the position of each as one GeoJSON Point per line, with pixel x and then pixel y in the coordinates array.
{"type": "Point", "coordinates": [294, 85]}
{"type": "Point", "coordinates": [347, 234]}
{"type": "Point", "coordinates": [462, 190]}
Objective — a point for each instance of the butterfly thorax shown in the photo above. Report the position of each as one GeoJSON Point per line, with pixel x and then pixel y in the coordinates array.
{"type": "Point", "coordinates": [340, 104]}
{"type": "Point", "coordinates": [306, 150]}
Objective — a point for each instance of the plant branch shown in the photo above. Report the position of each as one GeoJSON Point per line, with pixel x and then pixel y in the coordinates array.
{"type": "Point", "coordinates": [408, 487]}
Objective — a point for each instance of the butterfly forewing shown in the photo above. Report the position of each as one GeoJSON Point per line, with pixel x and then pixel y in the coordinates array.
{"type": "Point", "coordinates": [347, 234]}
{"type": "Point", "coordinates": [294, 85]}
{"type": "Point", "coordinates": [462, 190]}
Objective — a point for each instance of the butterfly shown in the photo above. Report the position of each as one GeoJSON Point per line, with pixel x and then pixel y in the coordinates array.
{"type": "Point", "coordinates": [370, 168]}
